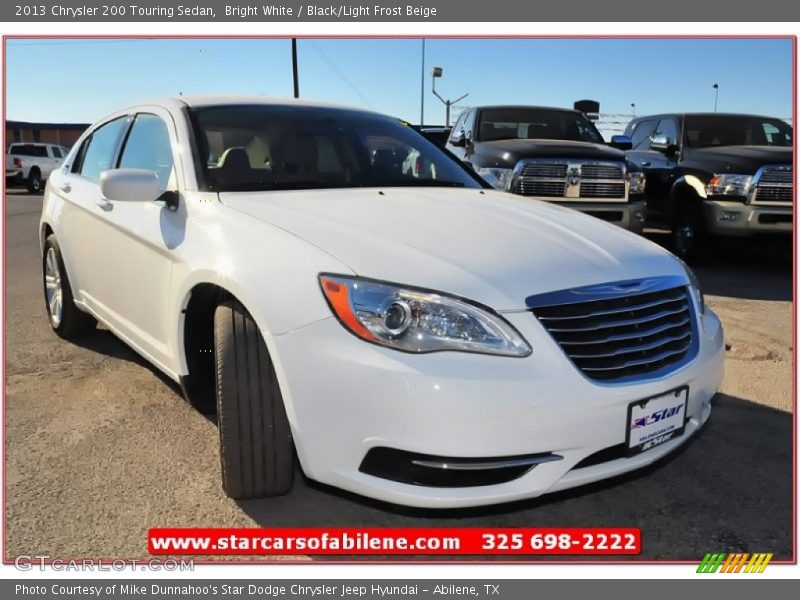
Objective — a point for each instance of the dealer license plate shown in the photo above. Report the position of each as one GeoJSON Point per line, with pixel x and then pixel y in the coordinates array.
{"type": "Point", "coordinates": [656, 420]}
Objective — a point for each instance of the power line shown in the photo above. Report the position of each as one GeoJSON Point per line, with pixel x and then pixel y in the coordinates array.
{"type": "Point", "coordinates": [338, 72]}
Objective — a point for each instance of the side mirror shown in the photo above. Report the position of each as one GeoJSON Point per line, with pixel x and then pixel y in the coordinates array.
{"type": "Point", "coordinates": [621, 142]}
{"type": "Point", "coordinates": [662, 143]}
{"type": "Point", "coordinates": [130, 185]}
{"type": "Point", "coordinates": [458, 139]}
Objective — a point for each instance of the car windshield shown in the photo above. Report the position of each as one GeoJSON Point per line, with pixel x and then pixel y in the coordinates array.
{"type": "Point", "coordinates": [277, 147]}
{"type": "Point", "coordinates": [703, 131]}
{"type": "Point", "coordinates": [534, 124]}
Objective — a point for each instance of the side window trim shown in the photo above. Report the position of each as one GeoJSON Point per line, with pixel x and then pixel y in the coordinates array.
{"type": "Point", "coordinates": [77, 166]}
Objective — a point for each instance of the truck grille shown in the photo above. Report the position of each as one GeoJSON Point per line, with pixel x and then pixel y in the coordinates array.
{"type": "Point", "coordinates": [775, 184]}
{"type": "Point", "coordinates": [548, 189]}
{"type": "Point", "coordinates": [625, 337]}
{"type": "Point", "coordinates": [570, 180]}
{"type": "Point", "coordinates": [593, 189]}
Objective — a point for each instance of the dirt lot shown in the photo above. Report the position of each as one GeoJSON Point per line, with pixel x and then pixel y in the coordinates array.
{"type": "Point", "coordinates": [100, 447]}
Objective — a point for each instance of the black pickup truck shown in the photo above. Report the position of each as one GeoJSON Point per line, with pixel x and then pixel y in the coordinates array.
{"type": "Point", "coordinates": [551, 154]}
{"type": "Point", "coordinates": [711, 174]}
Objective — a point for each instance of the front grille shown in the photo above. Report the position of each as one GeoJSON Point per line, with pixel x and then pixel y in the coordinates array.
{"type": "Point", "coordinates": [593, 189]}
{"type": "Point", "coordinates": [570, 179]}
{"type": "Point", "coordinates": [624, 337]}
{"type": "Point", "coordinates": [775, 184]}
{"type": "Point", "coordinates": [548, 189]}
{"type": "Point", "coordinates": [552, 170]}
{"type": "Point", "coordinates": [600, 171]}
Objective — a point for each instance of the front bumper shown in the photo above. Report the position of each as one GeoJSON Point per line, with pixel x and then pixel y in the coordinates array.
{"type": "Point", "coordinates": [345, 397]}
{"type": "Point", "coordinates": [628, 215]}
{"type": "Point", "coordinates": [738, 219]}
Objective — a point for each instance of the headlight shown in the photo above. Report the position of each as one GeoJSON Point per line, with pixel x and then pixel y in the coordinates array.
{"type": "Point", "coordinates": [694, 288]}
{"type": "Point", "coordinates": [635, 182]}
{"type": "Point", "coordinates": [418, 321]}
{"type": "Point", "coordinates": [729, 184]}
{"type": "Point", "coordinates": [498, 178]}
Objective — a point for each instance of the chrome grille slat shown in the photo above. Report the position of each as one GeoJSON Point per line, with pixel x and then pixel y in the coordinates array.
{"type": "Point", "coordinates": [622, 323]}
{"type": "Point", "coordinates": [592, 171]}
{"type": "Point", "coordinates": [642, 361]}
{"type": "Point", "coordinates": [639, 334]}
{"type": "Point", "coordinates": [612, 311]}
{"type": "Point", "coordinates": [624, 336]}
{"type": "Point", "coordinates": [639, 348]}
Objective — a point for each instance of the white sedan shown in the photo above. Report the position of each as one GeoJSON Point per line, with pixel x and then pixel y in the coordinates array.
{"type": "Point", "coordinates": [416, 338]}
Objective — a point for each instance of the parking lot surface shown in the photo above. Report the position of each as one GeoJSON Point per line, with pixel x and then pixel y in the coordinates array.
{"type": "Point", "coordinates": [100, 446]}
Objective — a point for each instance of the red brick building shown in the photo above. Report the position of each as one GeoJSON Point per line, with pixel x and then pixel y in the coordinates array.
{"type": "Point", "coordinates": [63, 134]}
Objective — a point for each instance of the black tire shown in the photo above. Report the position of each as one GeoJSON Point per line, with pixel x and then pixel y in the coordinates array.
{"type": "Point", "coordinates": [690, 240]}
{"type": "Point", "coordinates": [72, 321]}
{"type": "Point", "coordinates": [256, 448]}
{"type": "Point", "coordinates": [34, 181]}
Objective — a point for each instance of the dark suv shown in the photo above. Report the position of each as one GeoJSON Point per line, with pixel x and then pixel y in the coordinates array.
{"type": "Point", "coordinates": [551, 154]}
{"type": "Point", "coordinates": [714, 174]}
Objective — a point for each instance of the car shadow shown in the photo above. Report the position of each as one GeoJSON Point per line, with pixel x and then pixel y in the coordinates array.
{"type": "Point", "coordinates": [749, 269]}
{"type": "Point", "coordinates": [682, 502]}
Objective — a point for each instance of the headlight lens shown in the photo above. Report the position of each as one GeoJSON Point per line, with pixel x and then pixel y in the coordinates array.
{"type": "Point", "coordinates": [729, 184]}
{"type": "Point", "coordinates": [635, 182]}
{"type": "Point", "coordinates": [498, 178]}
{"type": "Point", "coordinates": [694, 288]}
{"type": "Point", "coordinates": [418, 321]}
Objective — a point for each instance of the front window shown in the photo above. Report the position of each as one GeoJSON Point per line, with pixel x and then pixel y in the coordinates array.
{"type": "Point", "coordinates": [704, 131]}
{"type": "Point", "coordinates": [274, 147]}
{"type": "Point", "coordinates": [536, 123]}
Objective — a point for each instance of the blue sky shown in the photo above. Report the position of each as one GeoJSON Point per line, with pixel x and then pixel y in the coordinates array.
{"type": "Point", "coordinates": [81, 80]}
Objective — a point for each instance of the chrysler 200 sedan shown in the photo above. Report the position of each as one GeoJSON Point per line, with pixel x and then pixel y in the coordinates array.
{"type": "Point", "coordinates": [414, 337]}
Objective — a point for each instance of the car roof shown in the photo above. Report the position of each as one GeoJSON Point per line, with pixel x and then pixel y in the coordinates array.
{"type": "Point", "coordinates": [206, 100]}
{"type": "Point", "coordinates": [528, 106]}
{"type": "Point", "coordinates": [699, 114]}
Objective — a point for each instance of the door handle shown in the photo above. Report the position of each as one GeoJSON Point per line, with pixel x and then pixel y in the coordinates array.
{"type": "Point", "coordinates": [65, 187]}
{"type": "Point", "coordinates": [105, 204]}
{"type": "Point", "coordinates": [645, 163]}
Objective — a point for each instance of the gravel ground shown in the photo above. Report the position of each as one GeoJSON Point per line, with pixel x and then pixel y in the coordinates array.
{"type": "Point", "coordinates": [100, 446]}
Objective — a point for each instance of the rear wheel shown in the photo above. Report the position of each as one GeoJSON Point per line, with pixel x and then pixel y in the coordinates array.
{"type": "Point", "coordinates": [66, 319]}
{"type": "Point", "coordinates": [34, 181]}
{"type": "Point", "coordinates": [256, 448]}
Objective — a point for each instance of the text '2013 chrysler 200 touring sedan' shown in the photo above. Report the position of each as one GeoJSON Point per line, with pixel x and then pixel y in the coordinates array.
{"type": "Point", "coordinates": [420, 339]}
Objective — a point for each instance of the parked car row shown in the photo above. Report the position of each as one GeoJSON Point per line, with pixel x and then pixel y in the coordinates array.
{"type": "Point", "coordinates": [341, 290]}
{"type": "Point", "coordinates": [30, 164]}
{"type": "Point", "coordinates": [699, 175]}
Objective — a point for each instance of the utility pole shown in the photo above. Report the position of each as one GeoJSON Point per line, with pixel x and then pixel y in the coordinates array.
{"type": "Point", "coordinates": [294, 69]}
{"type": "Point", "coordinates": [437, 72]}
{"type": "Point", "coordinates": [422, 88]}
{"type": "Point", "coordinates": [716, 95]}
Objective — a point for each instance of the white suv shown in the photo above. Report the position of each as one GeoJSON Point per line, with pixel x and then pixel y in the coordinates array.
{"type": "Point", "coordinates": [417, 338]}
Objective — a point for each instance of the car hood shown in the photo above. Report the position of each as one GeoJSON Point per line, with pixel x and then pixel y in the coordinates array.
{"type": "Point", "coordinates": [492, 247]}
{"type": "Point", "coordinates": [506, 153]}
{"type": "Point", "coordinates": [745, 160]}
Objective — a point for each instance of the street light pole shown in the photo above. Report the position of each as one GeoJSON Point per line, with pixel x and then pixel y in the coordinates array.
{"type": "Point", "coordinates": [422, 88]}
{"type": "Point", "coordinates": [716, 95]}
{"type": "Point", "coordinates": [633, 106]}
{"type": "Point", "coordinates": [437, 72]}
{"type": "Point", "coordinates": [295, 80]}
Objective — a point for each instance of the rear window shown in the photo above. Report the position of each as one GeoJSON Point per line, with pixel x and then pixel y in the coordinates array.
{"type": "Point", "coordinates": [28, 150]}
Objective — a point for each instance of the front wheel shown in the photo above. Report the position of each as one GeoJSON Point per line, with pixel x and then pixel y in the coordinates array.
{"type": "Point", "coordinates": [34, 182]}
{"type": "Point", "coordinates": [66, 319]}
{"type": "Point", "coordinates": [689, 238]}
{"type": "Point", "coordinates": [256, 448]}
